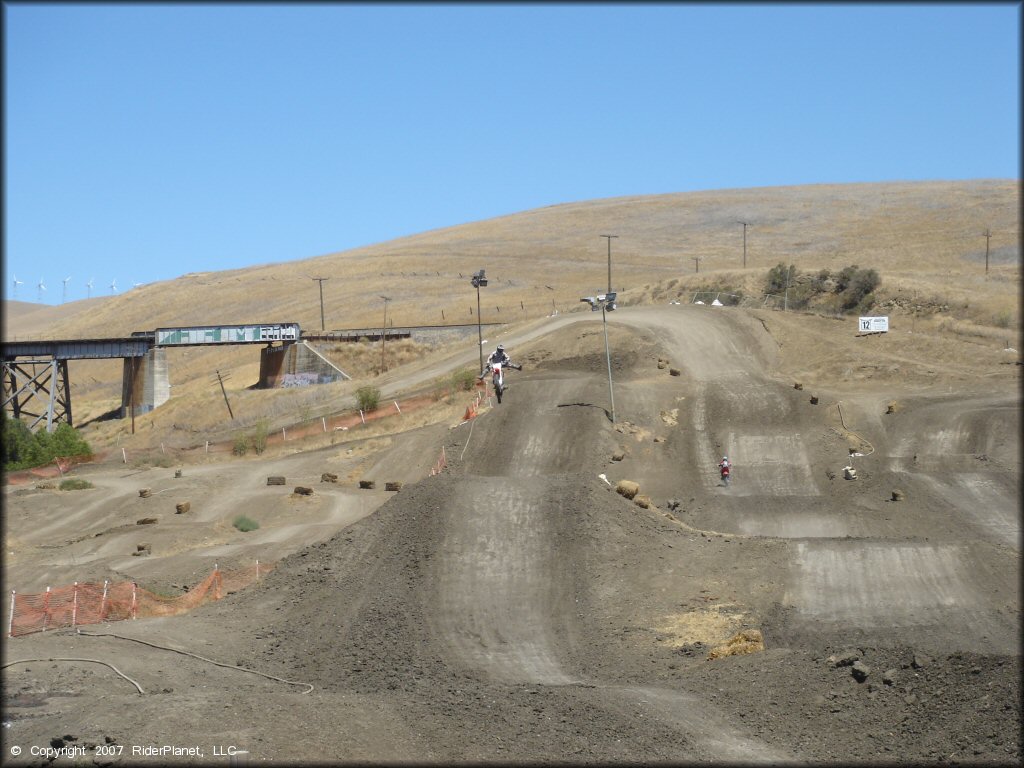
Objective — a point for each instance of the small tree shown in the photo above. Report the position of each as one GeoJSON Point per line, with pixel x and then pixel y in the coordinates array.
{"type": "Point", "coordinates": [780, 277]}
{"type": "Point", "coordinates": [463, 381]}
{"type": "Point", "coordinates": [367, 398]}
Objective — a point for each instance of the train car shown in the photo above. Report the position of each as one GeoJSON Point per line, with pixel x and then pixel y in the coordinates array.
{"type": "Point", "coordinates": [261, 333]}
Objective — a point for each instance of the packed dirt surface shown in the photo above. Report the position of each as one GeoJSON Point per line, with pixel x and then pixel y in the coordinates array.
{"type": "Point", "coordinates": [515, 608]}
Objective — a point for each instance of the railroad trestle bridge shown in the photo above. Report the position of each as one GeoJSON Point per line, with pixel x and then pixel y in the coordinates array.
{"type": "Point", "coordinates": [37, 387]}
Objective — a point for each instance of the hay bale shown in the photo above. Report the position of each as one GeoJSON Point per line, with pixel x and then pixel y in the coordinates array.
{"type": "Point", "coordinates": [798, 385]}
{"type": "Point", "coordinates": [747, 641]}
{"type": "Point", "coordinates": [891, 407]}
{"type": "Point", "coordinates": [145, 493]}
{"type": "Point", "coordinates": [328, 477]}
{"type": "Point", "coordinates": [275, 480]}
{"type": "Point", "coordinates": [627, 488]}
{"type": "Point", "coordinates": [394, 486]}
{"type": "Point", "coordinates": [814, 399]}
{"type": "Point", "coordinates": [674, 372]}
{"type": "Point", "coordinates": [662, 365]}
{"type": "Point", "coordinates": [618, 456]}
{"type": "Point", "coordinates": [146, 521]}
{"type": "Point", "coordinates": [897, 494]}
{"type": "Point", "coordinates": [643, 500]}
{"type": "Point", "coordinates": [367, 484]}
{"type": "Point", "coordinates": [177, 473]}
{"type": "Point", "coordinates": [302, 490]}
{"type": "Point", "coordinates": [143, 548]}
{"type": "Point", "coordinates": [182, 508]}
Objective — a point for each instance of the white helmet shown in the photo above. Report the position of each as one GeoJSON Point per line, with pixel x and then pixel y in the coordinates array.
{"type": "Point", "coordinates": [725, 458]}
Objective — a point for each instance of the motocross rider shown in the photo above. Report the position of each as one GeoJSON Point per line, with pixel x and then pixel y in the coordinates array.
{"type": "Point", "coordinates": [498, 356]}
{"type": "Point", "coordinates": [723, 467]}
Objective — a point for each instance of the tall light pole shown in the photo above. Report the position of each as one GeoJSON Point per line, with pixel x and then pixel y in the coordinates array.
{"type": "Point", "coordinates": [321, 281]}
{"type": "Point", "coordinates": [384, 332]}
{"type": "Point", "coordinates": [744, 242]}
{"type": "Point", "coordinates": [609, 237]}
{"type": "Point", "coordinates": [606, 303]}
{"type": "Point", "coordinates": [478, 280]}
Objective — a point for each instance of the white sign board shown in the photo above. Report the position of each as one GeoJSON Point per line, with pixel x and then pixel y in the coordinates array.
{"type": "Point", "coordinates": [874, 324]}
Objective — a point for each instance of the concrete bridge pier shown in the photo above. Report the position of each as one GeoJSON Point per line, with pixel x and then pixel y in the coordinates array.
{"type": "Point", "coordinates": [144, 384]}
{"type": "Point", "coordinates": [296, 365]}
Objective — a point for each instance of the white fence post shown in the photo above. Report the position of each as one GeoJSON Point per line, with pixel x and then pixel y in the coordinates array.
{"type": "Point", "coordinates": [46, 609]}
{"type": "Point", "coordinates": [324, 419]}
{"type": "Point", "coordinates": [396, 406]}
{"type": "Point", "coordinates": [74, 607]}
{"type": "Point", "coordinates": [10, 622]}
{"type": "Point", "coordinates": [103, 600]}
{"type": "Point", "coordinates": [134, 601]}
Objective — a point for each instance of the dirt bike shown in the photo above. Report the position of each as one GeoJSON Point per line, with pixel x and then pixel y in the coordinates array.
{"type": "Point", "coordinates": [725, 473]}
{"type": "Point", "coordinates": [498, 377]}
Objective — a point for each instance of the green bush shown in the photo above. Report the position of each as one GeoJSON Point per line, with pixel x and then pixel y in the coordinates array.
{"type": "Point", "coordinates": [780, 277]}
{"type": "Point", "coordinates": [367, 398]}
{"type": "Point", "coordinates": [75, 484]}
{"type": "Point", "coordinates": [22, 449]}
{"type": "Point", "coordinates": [854, 286]}
{"type": "Point", "coordinates": [241, 445]}
{"type": "Point", "coordinates": [245, 524]}
{"type": "Point", "coordinates": [259, 436]}
{"type": "Point", "coordinates": [464, 380]}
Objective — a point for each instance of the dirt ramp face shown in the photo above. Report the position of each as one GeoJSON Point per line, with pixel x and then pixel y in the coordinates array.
{"type": "Point", "coordinates": [502, 592]}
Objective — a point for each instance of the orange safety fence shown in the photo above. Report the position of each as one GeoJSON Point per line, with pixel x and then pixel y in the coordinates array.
{"type": "Point", "coordinates": [91, 603]}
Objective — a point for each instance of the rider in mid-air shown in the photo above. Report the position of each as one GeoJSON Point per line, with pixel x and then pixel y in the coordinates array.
{"type": "Point", "coordinates": [499, 356]}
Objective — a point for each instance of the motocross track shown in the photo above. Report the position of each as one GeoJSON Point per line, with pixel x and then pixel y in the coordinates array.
{"type": "Point", "coordinates": [517, 609]}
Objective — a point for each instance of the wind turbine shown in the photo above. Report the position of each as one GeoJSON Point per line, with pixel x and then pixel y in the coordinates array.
{"type": "Point", "coordinates": [113, 285]}
{"type": "Point", "coordinates": [89, 286]}
{"type": "Point", "coordinates": [64, 295]}
{"type": "Point", "coordinates": [17, 282]}
{"type": "Point", "coordinates": [41, 288]}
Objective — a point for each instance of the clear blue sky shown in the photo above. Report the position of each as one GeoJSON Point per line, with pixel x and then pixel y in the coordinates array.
{"type": "Point", "coordinates": [143, 142]}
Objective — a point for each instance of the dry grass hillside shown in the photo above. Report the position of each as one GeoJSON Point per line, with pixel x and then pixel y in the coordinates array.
{"type": "Point", "coordinates": [926, 240]}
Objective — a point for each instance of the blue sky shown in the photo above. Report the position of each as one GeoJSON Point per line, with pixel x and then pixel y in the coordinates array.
{"type": "Point", "coordinates": [143, 142]}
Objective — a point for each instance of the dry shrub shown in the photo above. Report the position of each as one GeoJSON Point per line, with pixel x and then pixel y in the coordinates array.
{"type": "Point", "coordinates": [747, 641]}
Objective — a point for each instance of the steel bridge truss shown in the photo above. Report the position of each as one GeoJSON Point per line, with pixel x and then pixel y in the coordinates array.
{"type": "Point", "coordinates": [44, 382]}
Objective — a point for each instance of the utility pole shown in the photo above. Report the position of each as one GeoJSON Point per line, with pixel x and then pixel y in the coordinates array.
{"type": "Point", "coordinates": [383, 332]}
{"type": "Point", "coordinates": [696, 262]}
{"type": "Point", "coordinates": [321, 281]}
{"type": "Point", "coordinates": [609, 237]}
{"type": "Point", "coordinates": [225, 392]}
{"type": "Point", "coordinates": [744, 243]}
{"type": "Point", "coordinates": [988, 237]}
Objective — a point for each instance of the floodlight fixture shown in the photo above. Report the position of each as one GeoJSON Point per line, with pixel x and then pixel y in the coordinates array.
{"type": "Point", "coordinates": [479, 279]}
